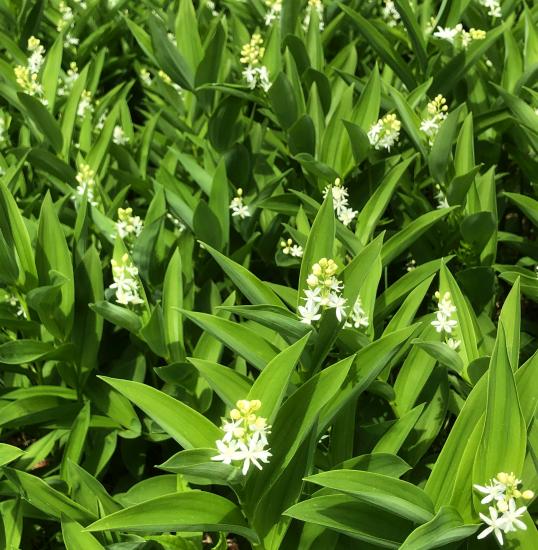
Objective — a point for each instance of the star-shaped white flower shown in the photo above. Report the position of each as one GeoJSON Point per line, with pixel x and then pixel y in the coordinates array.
{"type": "Point", "coordinates": [228, 452]}
{"type": "Point", "coordinates": [511, 517]}
{"type": "Point", "coordinates": [495, 525]}
{"type": "Point", "coordinates": [493, 491]}
{"type": "Point", "coordinates": [443, 323]}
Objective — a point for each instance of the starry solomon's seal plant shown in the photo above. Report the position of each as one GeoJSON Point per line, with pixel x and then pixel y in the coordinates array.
{"type": "Point", "coordinates": [268, 274]}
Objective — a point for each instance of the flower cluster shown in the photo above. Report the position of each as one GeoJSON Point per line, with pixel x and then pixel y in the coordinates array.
{"type": "Point", "coordinates": [390, 14]}
{"type": "Point", "coordinates": [119, 137]}
{"type": "Point", "coordinates": [15, 303]}
{"type": "Point", "coordinates": [167, 80]}
{"type": "Point", "coordinates": [128, 226]}
{"type": "Point", "coordinates": [340, 194]}
{"type": "Point", "coordinates": [254, 72]}
{"type": "Point", "coordinates": [458, 36]}
{"type": "Point", "coordinates": [444, 322]}
{"type": "Point", "coordinates": [441, 198]}
{"type": "Point", "coordinates": [66, 22]}
{"type": "Point", "coordinates": [385, 132]}
{"type": "Point", "coordinates": [324, 292]}
{"type": "Point", "coordinates": [317, 6]}
{"type": "Point", "coordinates": [69, 79]}
{"type": "Point", "coordinates": [437, 113]}
{"type": "Point", "coordinates": [275, 8]}
{"type": "Point", "coordinates": [85, 104]}
{"type": "Point", "coordinates": [291, 248]}
{"type": "Point", "coordinates": [502, 492]}
{"type": "Point", "coordinates": [145, 77]}
{"type": "Point", "coordinates": [27, 77]}
{"type": "Point", "coordinates": [238, 207]}
{"type": "Point", "coordinates": [179, 226]}
{"type": "Point", "coordinates": [86, 184]}
{"type": "Point", "coordinates": [245, 437]}
{"type": "Point", "coordinates": [357, 317]}
{"type": "Point", "coordinates": [493, 7]}
{"type": "Point", "coordinates": [125, 282]}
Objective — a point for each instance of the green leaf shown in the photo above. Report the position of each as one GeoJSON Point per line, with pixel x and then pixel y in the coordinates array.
{"type": "Point", "coordinates": [528, 205]}
{"type": "Point", "coordinates": [118, 315]}
{"type": "Point", "coordinates": [446, 527]}
{"type": "Point", "coordinates": [253, 288]}
{"type": "Point", "coordinates": [44, 121]}
{"type": "Point", "coordinates": [75, 537]}
{"type": "Point", "coordinates": [283, 101]}
{"type": "Point", "coordinates": [270, 387]}
{"type": "Point", "coordinates": [41, 495]}
{"type": "Point", "coordinates": [190, 511]}
{"type": "Point", "coordinates": [8, 453]}
{"type": "Point", "coordinates": [319, 245]}
{"type": "Point", "coordinates": [393, 495]}
{"type": "Point", "coordinates": [382, 46]}
{"type": "Point", "coordinates": [244, 341]}
{"type": "Point", "coordinates": [188, 427]}
{"type": "Point", "coordinates": [354, 518]}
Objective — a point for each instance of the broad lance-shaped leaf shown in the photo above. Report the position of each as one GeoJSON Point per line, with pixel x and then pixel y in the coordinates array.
{"type": "Point", "coordinates": [446, 527]}
{"type": "Point", "coordinates": [253, 288]}
{"type": "Point", "coordinates": [504, 438]}
{"type": "Point", "coordinates": [410, 233]}
{"type": "Point", "coordinates": [187, 426]}
{"type": "Point", "coordinates": [189, 511]}
{"type": "Point", "coordinates": [41, 495]}
{"type": "Point", "coordinates": [75, 538]}
{"type": "Point", "coordinates": [388, 493]}
{"type": "Point", "coordinates": [348, 515]}
{"type": "Point", "coordinates": [228, 384]}
{"type": "Point", "coordinates": [8, 453]}
{"type": "Point", "coordinates": [271, 386]}
{"type": "Point", "coordinates": [244, 341]}
{"type": "Point", "coordinates": [293, 423]}
{"type": "Point", "coordinates": [319, 245]}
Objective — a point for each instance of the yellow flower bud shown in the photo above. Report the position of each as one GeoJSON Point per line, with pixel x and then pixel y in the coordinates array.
{"type": "Point", "coordinates": [502, 477]}
{"type": "Point", "coordinates": [502, 505]}
{"type": "Point", "coordinates": [255, 404]}
{"type": "Point", "coordinates": [316, 269]}
{"type": "Point", "coordinates": [312, 280]}
{"type": "Point", "coordinates": [235, 414]}
{"type": "Point", "coordinates": [528, 494]}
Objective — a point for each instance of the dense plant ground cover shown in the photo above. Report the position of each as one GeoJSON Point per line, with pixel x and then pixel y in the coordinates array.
{"type": "Point", "coordinates": [268, 274]}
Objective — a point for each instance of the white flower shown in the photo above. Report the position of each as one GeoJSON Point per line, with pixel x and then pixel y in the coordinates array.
{"type": "Point", "coordinates": [316, 5]}
{"type": "Point", "coordinates": [493, 491]}
{"type": "Point", "coordinates": [338, 303]}
{"type": "Point", "coordinates": [446, 34]}
{"type": "Point", "coordinates": [238, 207]}
{"type": "Point", "coordinates": [118, 136]}
{"type": "Point", "coordinates": [496, 525]}
{"type": "Point", "coordinates": [275, 8]}
{"type": "Point", "coordinates": [85, 104]}
{"type": "Point", "coordinates": [347, 215]}
{"type": "Point", "coordinates": [309, 312]}
{"type": "Point", "coordinates": [145, 77]}
{"type": "Point", "coordinates": [228, 452]}
{"type": "Point", "coordinates": [444, 323]}
{"type": "Point", "coordinates": [385, 132]}
{"type": "Point", "coordinates": [86, 184]}
{"type": "Point", "coordinates": [453, 344]}
{"type": "Point", "coordinates": [493, 6]}
{"type": "Point", "coordinates": [358, 317]}
{"type": "Point", "coordinates": [288, 247]}
{"type": "Point", "coordinates": [125, 283]}
{"type": "Point", "coordinates": [340, 201]}
{"type": "Point", "coordinates": [253, 452]}
{"type": "Point", "coordinates": [390, 13]}
{"type": "Point", "coordinates": [511, 517]}
{"type": "Point", "coordinates": [127, 224]}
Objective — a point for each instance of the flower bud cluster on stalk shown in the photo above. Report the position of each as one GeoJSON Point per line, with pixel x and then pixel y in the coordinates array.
{"type": "Point", "coordinates": [245, 437]}
{"type": "Point", "coordinates": [502, 493]}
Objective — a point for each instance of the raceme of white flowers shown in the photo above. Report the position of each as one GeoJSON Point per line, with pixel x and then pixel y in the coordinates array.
{"type": "Point", "coordinates": [317, 6]}
{"type": "Point", "coordinates": [444, 323]}
{"type": "Point", "coordinates": [493, 7]}
{"type": "Point", "coordinates": [390, 14]}
{"type": "Point", "coordinates": [340, 194]}
{"type": "Point", "coordinates": [437, 113]}
{"type": "Point", "coordinates": [357, 317]}
{"type": "Point", "coordinates": [385, 132]}
{"type": "Point", "coordinates": [86, 184]}
{"type": "Point", "coordinates": [179, 226]}
{"type": "Point", "coordinates": [85, 104]}
{"type": "Point", "coordinates": [27, 76]}
{"type": "Point", "coordinates": [502, 494]}
{"type": "Point", "coordinates": [324, 292]}
{"type": "Point", "coordinates": [458, 36]}
{"type": "Point", "coordinates": [167, 80]}
{"type": "Point", "coordinates": [119, 137]}
{"type": "Point", "coordinates": [273, 13]}
{"type": "Point", "coordinates": [441, 198]}
{"type": "Point", "coordinates": [255, 73]}
{"type": "Point", "coordinates": [128, 226]}
{"type": "Point", "coordinates": [125, 282]}
{"type": "Point", "coordinates": [245, 437]}
{"type": "Point", "coordinates": [292, 249]}
{"type": "Point", "coordinates": [69, 79]}
{"type": "Point", "coordinates": [15, 303]}
{"type": "Point", "coordinates": [238, 207]}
